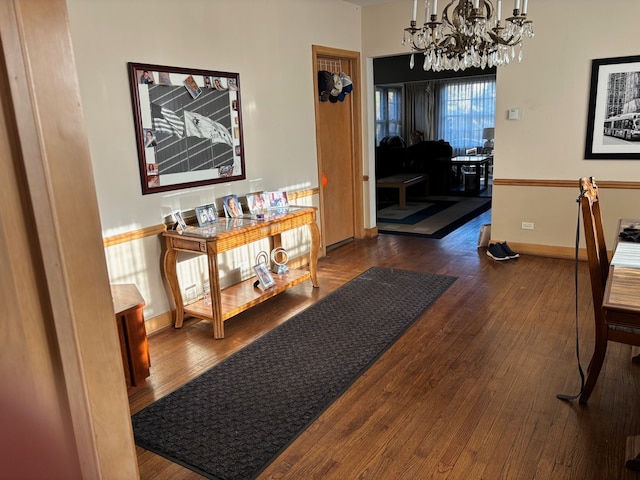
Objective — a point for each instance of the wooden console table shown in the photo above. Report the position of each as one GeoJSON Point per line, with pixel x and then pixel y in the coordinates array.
{"type": "Point", "coordinates": [224, 236]}
{"type": "Point", "coordinates": [128, 304]}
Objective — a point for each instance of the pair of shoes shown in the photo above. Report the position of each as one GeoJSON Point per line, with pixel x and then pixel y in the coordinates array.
{"type": "Point", "coordinates": [496, 252]}
{"type": "Point", "coordinates": [510, 253]}
{"type": "Point", "coordinates": [501, 251]}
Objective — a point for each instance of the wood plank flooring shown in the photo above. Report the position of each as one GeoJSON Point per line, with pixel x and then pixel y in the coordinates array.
{"type": "Point", "coordinates": [467, 393]}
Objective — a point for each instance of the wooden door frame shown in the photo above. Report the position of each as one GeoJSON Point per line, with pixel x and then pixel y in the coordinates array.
{"type": "Point", "coordinates": [61, 344]}
{"type": "Point", "coordinates": [356, 135]}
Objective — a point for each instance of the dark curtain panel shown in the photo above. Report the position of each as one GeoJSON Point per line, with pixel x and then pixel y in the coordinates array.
{"type": "Point", "coordinates": [420, 110]}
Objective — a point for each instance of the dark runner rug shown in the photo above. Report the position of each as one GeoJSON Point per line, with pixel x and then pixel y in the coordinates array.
{"type": "Point", "coordinates": [431, 218]}
{"type": "Point", "coordinates": [236, 418]}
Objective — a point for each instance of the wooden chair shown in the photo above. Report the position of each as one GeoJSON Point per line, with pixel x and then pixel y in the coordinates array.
{"type": "Point", "coordinates": [607, 327]}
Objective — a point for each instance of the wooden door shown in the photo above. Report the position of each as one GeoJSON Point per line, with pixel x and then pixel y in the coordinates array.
{"type": "Point", "coordinates": [338, 128]}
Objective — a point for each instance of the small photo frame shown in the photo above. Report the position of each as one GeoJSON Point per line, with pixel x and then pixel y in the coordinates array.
{"type": "Point", "coordinates": [181, 223]}
{"type": "Point", "coordinates": [265, 279]}
{"type": "Point", "coordinates": [257, 203]}
{"type": "Point", "coordinates": [192, 87]}
{"type": "Point", "coordinates": [150, 140]}
{"type": "Point", "coordinates": [206, 214]}
{"type": "Point", "coordinates": [278, 199]}
{"type": "Point", "coordinates": [164, 78]}
{"type": "Point", "coordinates": [146, 77]}
{"type": "Point", "coordinates": [220, 83]}
{"type": "Point", "coordinates": [232, 207]}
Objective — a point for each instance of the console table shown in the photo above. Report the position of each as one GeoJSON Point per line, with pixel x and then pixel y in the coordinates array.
{"type": "Point", "coordinates": [226, 235]}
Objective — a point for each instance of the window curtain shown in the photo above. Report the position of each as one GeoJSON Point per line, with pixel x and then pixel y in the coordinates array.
{"type": "Point", "coordinates": [420, 110]}
{"type": "Point", "coordinates": [466, 106]}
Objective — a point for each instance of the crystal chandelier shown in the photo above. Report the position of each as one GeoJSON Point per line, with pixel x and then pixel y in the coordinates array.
{"type": "Point", "coordinates": [471, 33]}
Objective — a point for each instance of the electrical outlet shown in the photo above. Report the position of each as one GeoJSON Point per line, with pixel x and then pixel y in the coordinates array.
{"type": "Point", "coordinates": [527, 225]}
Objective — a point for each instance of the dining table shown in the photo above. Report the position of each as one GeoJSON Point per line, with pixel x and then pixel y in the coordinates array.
{"type": "Point", "coordinates": [622, 301]}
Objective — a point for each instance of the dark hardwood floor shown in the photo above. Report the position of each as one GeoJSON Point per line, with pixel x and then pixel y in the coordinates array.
{"type": "Point", "coordinates": [467, 393]}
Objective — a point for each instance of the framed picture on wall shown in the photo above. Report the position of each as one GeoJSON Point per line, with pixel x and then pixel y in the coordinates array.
{"type": "Point", "coordinates": [613, 121]}
{"type": "Point", "coordinates": [188, 126]}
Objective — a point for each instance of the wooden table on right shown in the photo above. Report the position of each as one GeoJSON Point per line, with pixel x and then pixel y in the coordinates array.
{"type": "Point", "coordinates": [622, 299]}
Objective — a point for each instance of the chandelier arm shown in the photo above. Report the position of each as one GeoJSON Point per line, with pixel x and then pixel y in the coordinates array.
{"type": "Point", "coordinates": [445, 14]}
{"type": "Point", "coordinates": [512, 41]}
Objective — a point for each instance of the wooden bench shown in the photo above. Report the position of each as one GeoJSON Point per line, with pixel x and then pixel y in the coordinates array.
{"type": "Point", "coordinates": [401, 182]}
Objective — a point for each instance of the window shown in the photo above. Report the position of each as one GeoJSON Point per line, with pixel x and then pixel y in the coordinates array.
{"type": "Point", "coordinates": [388, 112]}
{"type": "Point", "coordinates": [466, 107]}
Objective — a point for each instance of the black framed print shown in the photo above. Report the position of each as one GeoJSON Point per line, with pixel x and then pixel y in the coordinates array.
{"type": "Point", "coordinates": [613, 122]}
{"type": "Point", "coordinates": [188, 126]}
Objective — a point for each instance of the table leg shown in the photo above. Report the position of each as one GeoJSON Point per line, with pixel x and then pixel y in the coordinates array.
{"type": "Point", "coordinates": [486, 174]}
{"type": "Point", "coordinates": [314, 231]}
{"type": "Point", "coordinates": [403, 196]}
{"type": "Point", "coordinates": [216, 296]}
{"type": "Point", "coordinates": [170, 259]}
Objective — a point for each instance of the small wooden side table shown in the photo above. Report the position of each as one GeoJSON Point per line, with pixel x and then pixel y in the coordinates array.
{"type": "Point", "coordinates": [128, 304]}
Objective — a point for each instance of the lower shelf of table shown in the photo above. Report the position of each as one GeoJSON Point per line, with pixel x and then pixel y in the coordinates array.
{"type": "Point", "coordinates": [242, 296]}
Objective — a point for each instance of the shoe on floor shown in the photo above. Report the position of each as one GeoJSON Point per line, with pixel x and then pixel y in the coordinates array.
{"type": "Point", "coordinates": [496, 252]}
{"type": "Point", "coordinates": [506, 249]}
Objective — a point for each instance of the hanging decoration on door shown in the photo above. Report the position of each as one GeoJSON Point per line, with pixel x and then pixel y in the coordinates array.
{"type": "Point", "coordinates": [333, 87]}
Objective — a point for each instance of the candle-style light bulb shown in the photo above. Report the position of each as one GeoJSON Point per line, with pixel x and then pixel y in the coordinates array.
{"type": "Point", "coordinates": [525, 4]}
{"type": "Point", "coordinates": [415, 10]}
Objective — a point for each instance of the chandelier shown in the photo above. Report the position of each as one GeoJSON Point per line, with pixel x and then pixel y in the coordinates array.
{"type": "Point", "coordinates": [471, 33]}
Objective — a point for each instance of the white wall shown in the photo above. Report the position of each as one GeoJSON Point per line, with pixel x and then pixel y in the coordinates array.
{"type": "Point", "coordinates": [268, 42]}
{"type": "Point", "coordinates": [551, 87]}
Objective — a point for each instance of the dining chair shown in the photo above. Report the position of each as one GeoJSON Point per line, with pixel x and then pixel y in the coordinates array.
{"type": "Point", "coordinates": [608, 328]}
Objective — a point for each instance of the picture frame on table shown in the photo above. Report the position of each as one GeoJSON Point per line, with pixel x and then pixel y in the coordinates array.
{"type": "Point", "coordinates": [613, 120]}
{"type": "Point", "coordinates": [182, 225]}
{"type": "Point", "coordinates": [232, 207]}
{"type": "Point", "coordinates": [265, 279]}
{"type": "Point", "coordinates": [257, 203]}
{"type": "Point", "coordinates": [206, 214]}
{"type": "Point", "coordinates": [195, 130]}
{"type": "Point", "coordinates": [278, 199]}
